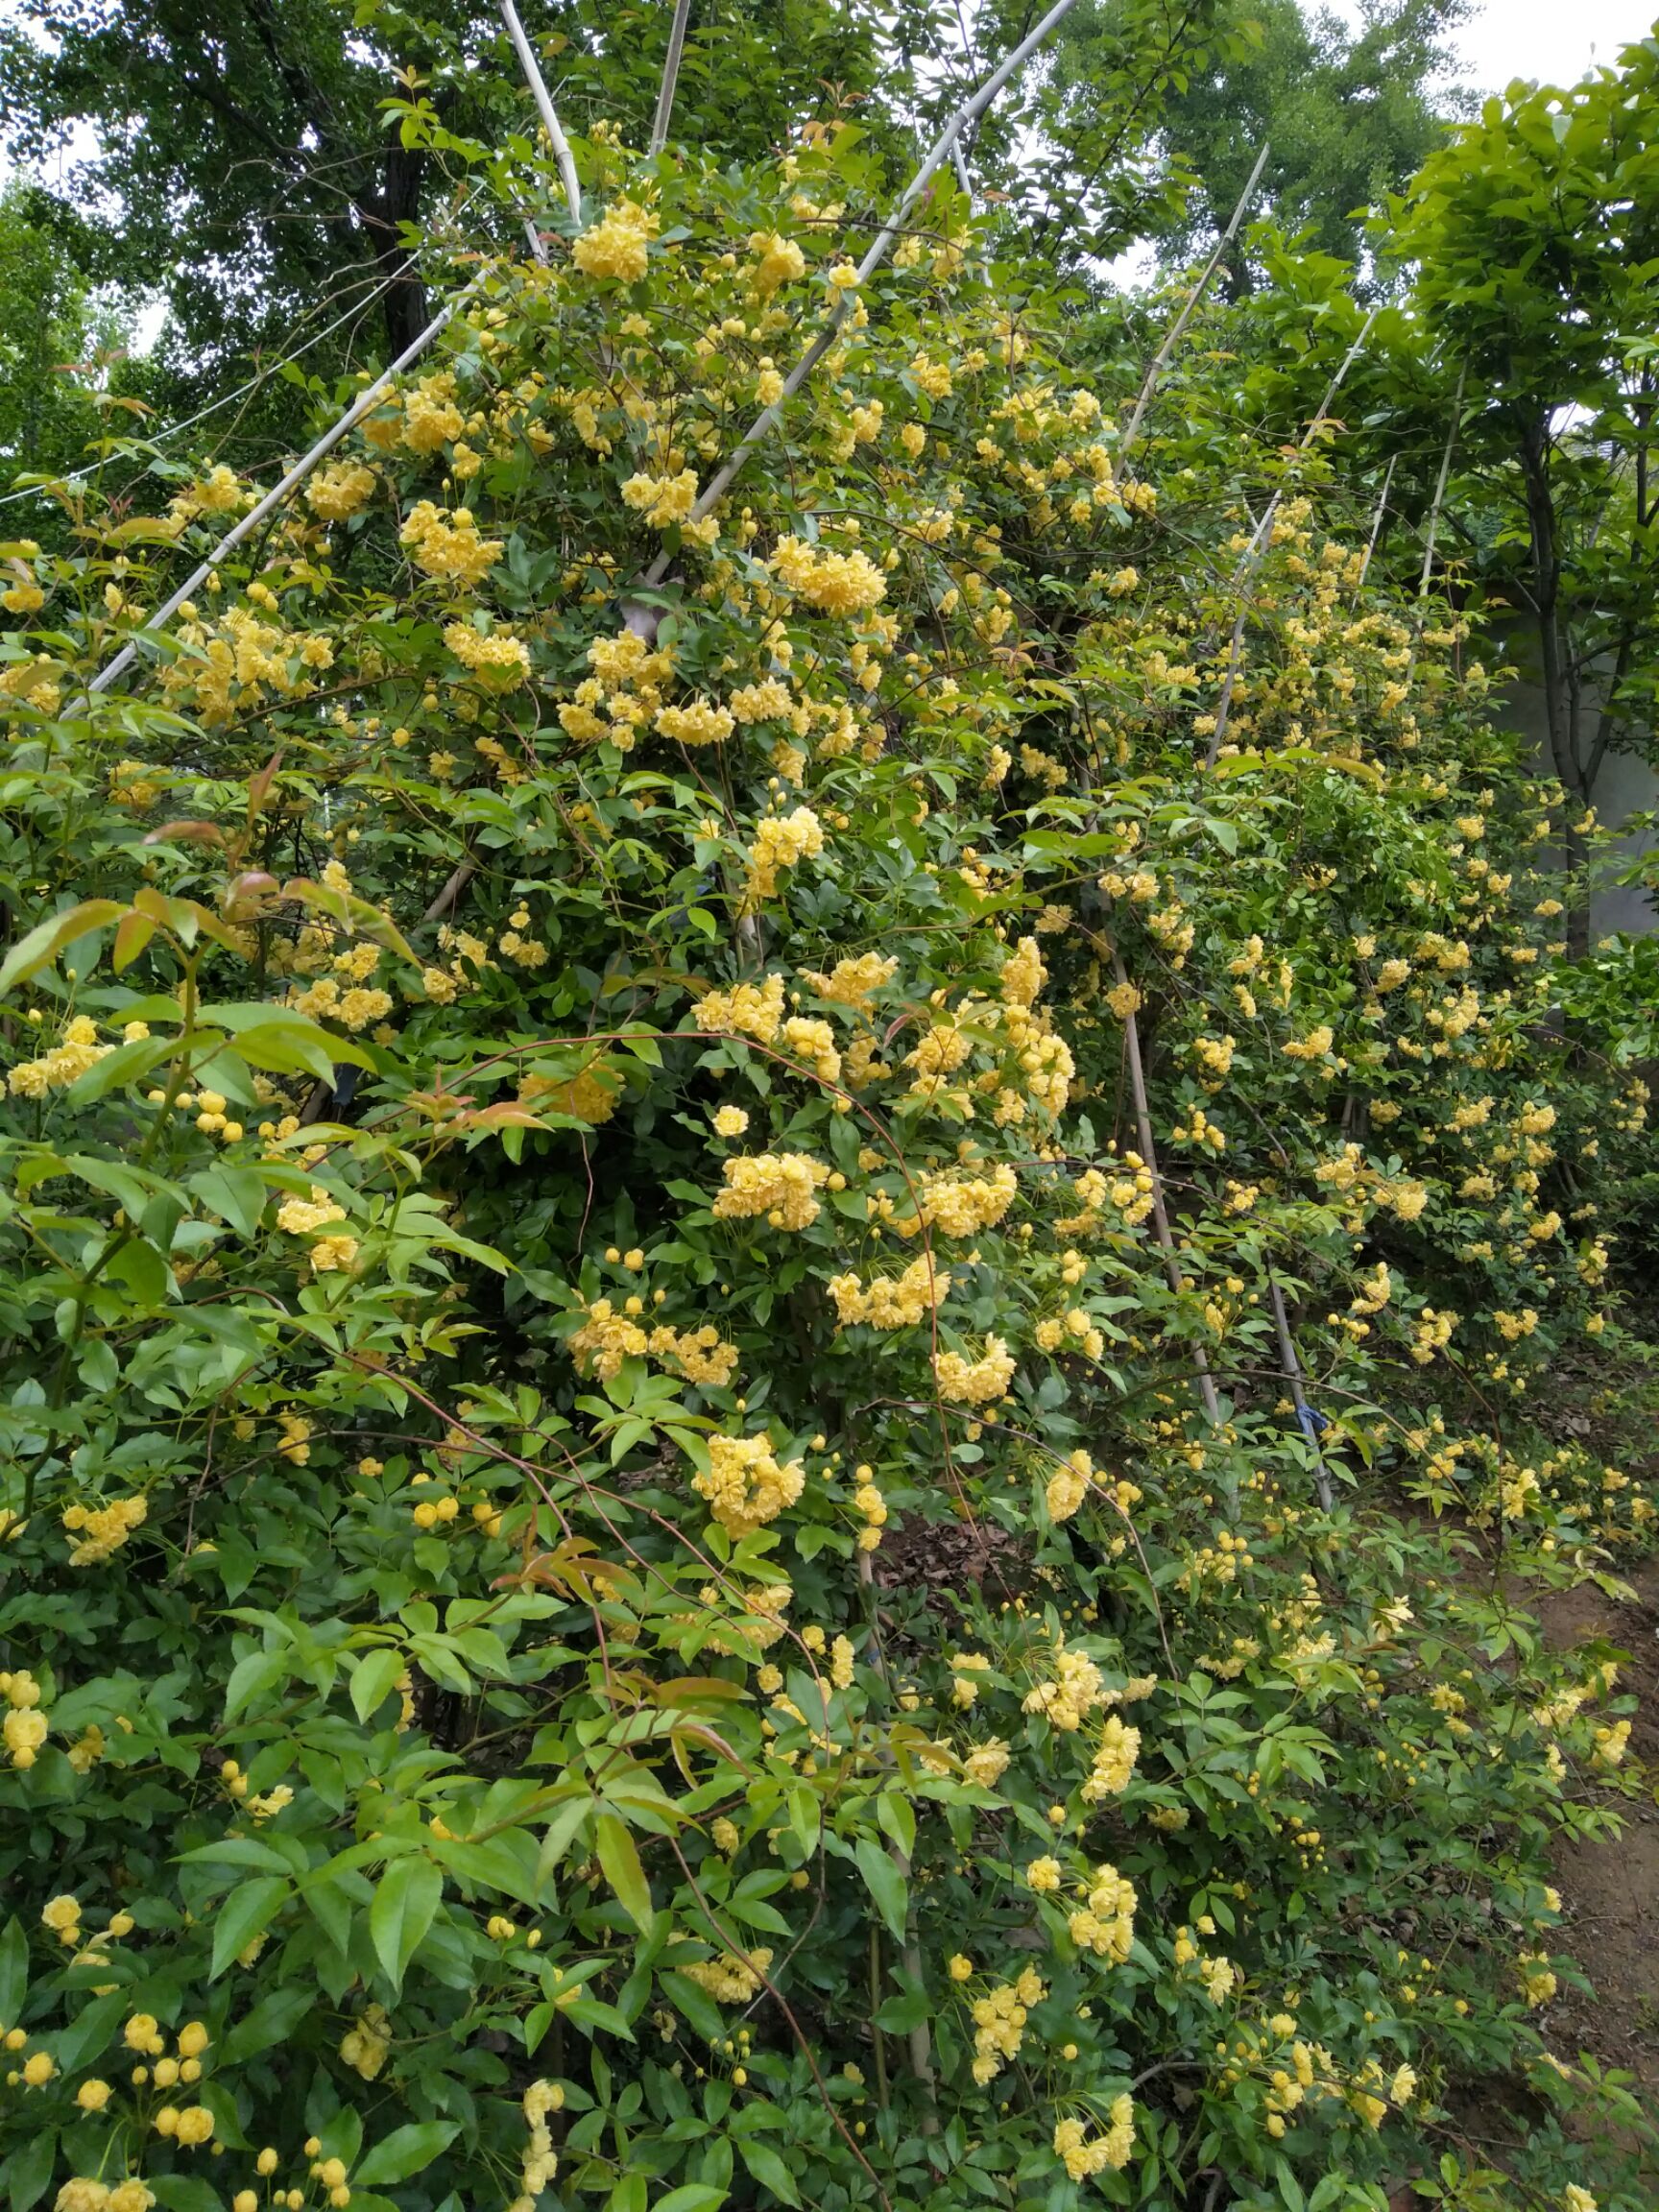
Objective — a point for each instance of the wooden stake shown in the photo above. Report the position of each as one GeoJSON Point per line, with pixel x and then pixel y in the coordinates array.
{"type": "Point", "coordinates": [1441, 482]}
{"type": "Point", "coordinates": [1376, 523]}
{"type": "Point", "coordinates": [364, 403]}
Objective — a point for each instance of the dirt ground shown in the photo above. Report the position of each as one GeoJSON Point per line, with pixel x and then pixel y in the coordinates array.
{"type": "Point", "coordinates": [1610, 1891]}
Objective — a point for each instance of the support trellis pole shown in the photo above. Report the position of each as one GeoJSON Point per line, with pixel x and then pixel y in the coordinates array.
{"type": "Point", "coordinates": [1161, 359]}
{"type": "Point", "coordinates": [531, 68]}
{"type": "Point", "coordinates": [670, 75]}
{"type": "Point", "coordinates": [1261, 538]}
{"type": "Point", "coordinates": [363, 406]}
{"type": "Point", "coordinates": [769, 417]}
{"type": "Point", "coordinates": [1159, 1212]}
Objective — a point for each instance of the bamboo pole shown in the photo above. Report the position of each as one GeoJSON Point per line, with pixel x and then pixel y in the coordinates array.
{"type": "Point", "coordinates": [362, 405]}
{"type": "Point", "coordinates": [1159, 1216]}
{"type": "Point", "coordinates": [560, 145]}
{"type": "Point", "coordinates": [1292, 1367]}
{"type": "Point", "coordinates": [769, 417]}
{"type": "Point", "coordinates": [1161, 359]}
{"type": "Point", "coordinates": [1260, 539]}
{"type": "Point", "coordinates": [1441, 482]}
{"type": "Point", "coordinates": [1376, 523]}
{"type": "Point", "coordinates": [670, 75]}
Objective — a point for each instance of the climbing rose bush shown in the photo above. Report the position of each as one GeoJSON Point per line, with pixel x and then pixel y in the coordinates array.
{"type": "Point", "coordinates": [661, 1546]}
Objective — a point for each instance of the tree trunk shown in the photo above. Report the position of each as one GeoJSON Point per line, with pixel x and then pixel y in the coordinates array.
{"type": "Point", "coordinates": [404, 308]}
{"type": "Point", "coordinates": [1560, 692]}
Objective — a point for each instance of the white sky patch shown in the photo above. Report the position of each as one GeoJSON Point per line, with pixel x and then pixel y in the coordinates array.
{"type": "Point", "coordinates": [1548, 39]}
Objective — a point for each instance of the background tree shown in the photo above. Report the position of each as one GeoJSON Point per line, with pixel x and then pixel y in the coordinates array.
{"type": "Point", "coordinates": [57, 341]}
{"type": "Point", "coordinates": [250, 166]}
{"type": "Point", "coordinates": [1533, 244]}
{"type": "Point", "coordinates": [1349, 113]}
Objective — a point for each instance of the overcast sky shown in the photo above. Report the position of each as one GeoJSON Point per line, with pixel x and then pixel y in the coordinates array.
{"type": "Point", "coordinates": [1554, 39]}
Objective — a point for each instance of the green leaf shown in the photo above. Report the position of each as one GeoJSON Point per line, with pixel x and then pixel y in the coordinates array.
{"type": "Point", "coordinates": [694, 2002]}
{"type": "Point", "coordinates": [405, 2151]}
{"type": "Point", "coordinates": [29, 2168]}
{"type": "Point", "coordinates": [13, 1972]}
{"type": "Point", "coordinates": [406, 1898]}
{"type": "Point", "coordinates": [236, 1194]}
{"type": "Point", "coordinates": [692, 2197]}
{"type": "Point", "coordinates": [767, 2168]}
{"type": "Point", "coordinates": [90, 2030]}
{"type": "Point", "coordinates": [34, 951]}
{"type": "Point", "coordinates": [236, 1851]}
{"type": "Point", "coordinates": [253, 1675]}
{"type": "Point", "coordinates": [884, 1883]}
{"type": "Point", "coordinates": [377, 1674]}
{"type": "Point", "coordinates": [184, 2192]}
{"type": "Point", "coordinates": [900, 2014]}
{"type": "Point", "coordinates": [248, 1910]}
{"type": "Point", "coordinates": [286, 1051]}
{"type": "Point", "coordinates": [271, 2021]}
{"type": "Point", "coordinates": [620, 1861]}
{"type": "Point", "coordinates": [897, 1817]}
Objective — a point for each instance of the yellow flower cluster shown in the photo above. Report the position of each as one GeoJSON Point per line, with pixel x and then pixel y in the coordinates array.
{"type": "Point", "coordinates": [365, 2044]}
{"type": "Point", "coordinates": [1071, 1693]}
{"type": "Point", "coordinates": [354, 1009]}
{"type": "Point", "coordinates": [985, 1766]}
{"type": "Point", "coordinates": [779, 261]}
{"type": "Point", "coordinates": [1114, 1758]}
{"type": "Point", "coordinates": [769, 701]}
{"type": "Point", "coordinates": [1104, 1923]}
{"type": "Point", "coordinates": [54, 1070]}
{"type": "Point", "coordinates": [662, 500]}
{"type": "Point", "coordinates": [298, 1217]}
{"type": "Point", "coordinates": [699, 724]}
{"type": "Point", "coordinates": [890, 1301]}
{"type": "Point", "coordinates": [999, 2019]}
{"type": "Point", "coordinates": [954, 1205]}
{"type": "Point", "coordinates": [730, 1979]}
{"type": "Point", "coordinates": [754, 1010]}
{"type": "Point", "coordinates": [781, 841]}
{"type": "Point", "coordinates": [24, 1727]}
{"type": "Point", "coordinates": [448, 546]}
{"type": "Point", "coordinates": [974, 1382]}
{"type": "Point", "coordinates": [102, 1528]}
{"type": "Point", "coordinates": [85, 2194]}
{"type": "Point", "coordinates": [541, 2161]}
{"type": "Point", "coordinates": [618, 244]}
{"type": "Point", "coordinates": [1068, 1486]}
{"type": "Point", "coordinates": [606, 1337]}
{"type": "Point", "coordinates": [745, 1486]}
{"type": "Point", "coordinates": [340, 490]}
{"type": "Point", "coordinates": [871, 1506]}
{"type": "Point", "coordinates": [781, 1186]}
{"type": "Point", "coordinates": [852, 982]}
{"type": "Point", "coordinates": [1054, 1333]}
{"type": "Point", "coordinates": [814, 1042]}
{"type": "Point", "coordinates": [839, 584]}
{"type": "Point", "coordinates": [501, 660]}
{"type": "Point", "coordinates": [1083, 2158]}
